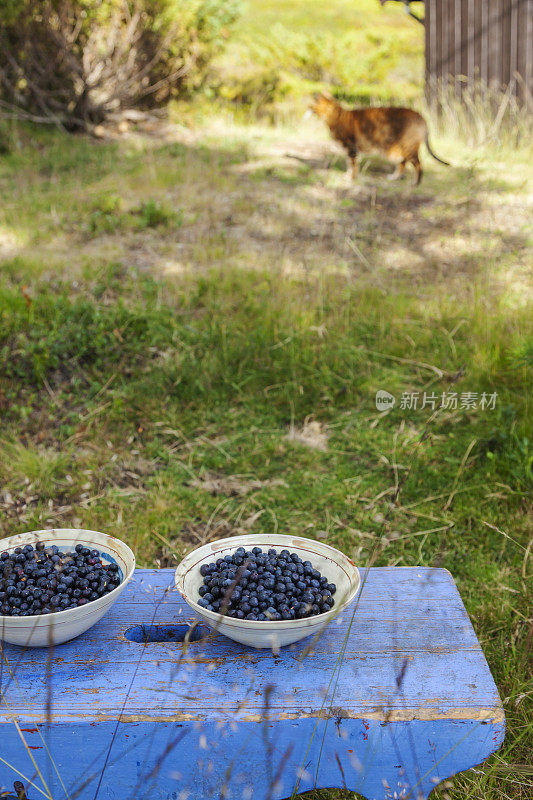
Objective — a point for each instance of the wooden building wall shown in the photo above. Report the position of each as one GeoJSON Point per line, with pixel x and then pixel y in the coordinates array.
{"type": "Point", "coordinates": [473, 43]}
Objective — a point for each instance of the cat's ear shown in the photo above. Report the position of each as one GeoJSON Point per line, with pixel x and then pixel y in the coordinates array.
{"type": "Point", "coordinates": [327, 95]}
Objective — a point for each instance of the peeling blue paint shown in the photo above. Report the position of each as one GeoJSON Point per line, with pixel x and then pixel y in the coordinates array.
{"type": "Point", "coordinates": [414, 701]}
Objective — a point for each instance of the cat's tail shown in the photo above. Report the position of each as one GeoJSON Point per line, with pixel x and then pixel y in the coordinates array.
{"type": "Point", "coordinates": [431, 153]}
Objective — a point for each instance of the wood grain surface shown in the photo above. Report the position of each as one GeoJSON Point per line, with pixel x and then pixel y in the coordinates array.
{"type": "Point", "coordinates": [411, 701]}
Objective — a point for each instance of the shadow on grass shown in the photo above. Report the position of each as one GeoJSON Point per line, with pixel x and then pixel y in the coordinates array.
{"type": "Point", "coordinates": [246, 203]}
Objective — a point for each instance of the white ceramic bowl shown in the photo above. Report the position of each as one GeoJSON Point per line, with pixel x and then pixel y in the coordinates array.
{"type": "Point", "coordinates": [44, 630]}
{"type": "Point", "coordinates": [337, 567]}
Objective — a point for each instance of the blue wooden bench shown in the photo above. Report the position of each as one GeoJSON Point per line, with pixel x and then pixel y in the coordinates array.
{"type": "Point", "coordinates": [411, 703]}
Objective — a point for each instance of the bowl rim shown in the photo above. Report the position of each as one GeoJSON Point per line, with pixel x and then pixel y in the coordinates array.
{"type": "Point", "coordinates": [266, 625]}
{"type": "Point", "coordinates": [62, 617]}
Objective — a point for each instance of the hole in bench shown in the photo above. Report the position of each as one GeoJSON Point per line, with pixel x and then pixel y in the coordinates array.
{"type": "Point", "coordinates": [145, 634]}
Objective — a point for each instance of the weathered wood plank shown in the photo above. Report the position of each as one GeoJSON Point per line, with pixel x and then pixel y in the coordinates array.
{"type": "Point", "coordinates": [171, 761]}
{"type": "Point", "coordinates": [425, 642]}
{"type": "Point", "coordinates": [383, 584]}
{"type": "Point", "coordinates": [367, 681]}
{"type": "Point", "coordinates": [414, 700]}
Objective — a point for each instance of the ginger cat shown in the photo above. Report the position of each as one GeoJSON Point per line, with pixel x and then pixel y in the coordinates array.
{"type": "Point", "coordinates": [395, 133]}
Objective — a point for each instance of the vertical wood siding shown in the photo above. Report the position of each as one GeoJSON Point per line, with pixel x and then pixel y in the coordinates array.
{"type": "Point", "coordinates": [480, 43]}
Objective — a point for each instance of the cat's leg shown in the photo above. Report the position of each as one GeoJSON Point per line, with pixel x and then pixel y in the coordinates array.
{"type": "Point", "coordinates": [415, 161]}
{"type": "Point", "coordinates": [398, 172]}
{"type": "Point", "coordinates": [351, 149]}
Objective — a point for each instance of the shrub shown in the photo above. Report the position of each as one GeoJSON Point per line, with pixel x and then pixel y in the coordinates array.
{"type": "Point", "coordinates": [152, 213]}
{"type": "Point", "coordinates": [357, 65]}
{"type": "Point", "coordinates": [76, 61]}
{"type": "Point", "coordinates": [255, 89]}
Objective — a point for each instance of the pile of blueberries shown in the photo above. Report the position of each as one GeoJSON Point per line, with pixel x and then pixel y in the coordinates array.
{"type": "Point", "coordinates": [43, 580]}
{"type": "Point", "coordinates": [265, 586]}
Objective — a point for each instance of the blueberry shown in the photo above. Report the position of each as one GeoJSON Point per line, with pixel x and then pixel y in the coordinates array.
{"type": "Point", "coordinates": [267, 586]}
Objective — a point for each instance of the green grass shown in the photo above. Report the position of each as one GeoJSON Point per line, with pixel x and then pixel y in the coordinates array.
{"type": "Point", "coordinates": [170, 309]}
